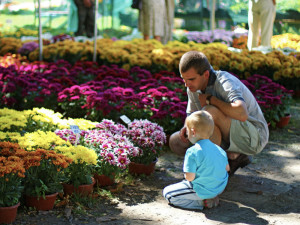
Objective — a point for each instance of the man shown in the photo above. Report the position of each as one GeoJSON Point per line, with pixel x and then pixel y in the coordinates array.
{"type": "Point", "coordinates": [240, 127]}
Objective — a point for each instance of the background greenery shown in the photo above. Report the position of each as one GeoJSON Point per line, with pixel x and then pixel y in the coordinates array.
{"type": "Point", "coordinates": [122, 14]}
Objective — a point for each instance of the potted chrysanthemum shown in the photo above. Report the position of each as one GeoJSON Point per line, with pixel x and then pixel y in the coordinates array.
{"type": "Point", "coordinates": [150, 138]}
{"type": "Point", "coordinates": [113, 149]}
{"type": "Point", "coordinates": [78, 176]}
{"type": "Point", "coordinates": [44, 172]}
{"type": "Point", "coordinates": [12, 172]}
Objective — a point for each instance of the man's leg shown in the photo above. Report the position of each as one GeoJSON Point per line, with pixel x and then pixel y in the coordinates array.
{"type": "Point", "coordinates": [222, 126]}
{"type": "Point", "coordinates": [177, 145]}
{"type": "Point", "coordinates": [222, 133]}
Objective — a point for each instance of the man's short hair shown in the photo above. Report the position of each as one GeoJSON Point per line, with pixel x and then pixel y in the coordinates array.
{"type": "Point", "coordinates": [196, 60]}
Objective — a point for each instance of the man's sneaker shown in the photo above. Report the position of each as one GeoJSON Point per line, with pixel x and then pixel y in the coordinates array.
{"type": "Point", "coordinates": [240, 162]}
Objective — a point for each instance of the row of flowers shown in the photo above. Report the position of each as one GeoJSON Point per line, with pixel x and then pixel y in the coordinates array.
{"type": "Point", "coordinates": [273, 98]}
{"type": "Point", "coordinates": [94, 92]}
{"type": "Point", "coordinates": [154, 56]}
{"type": "Point", "coordinates": [285, 41]}
{"type": "Point", "coordinates": [233, 38]}
{"type": "Point", "coordinates": [40, 160]}
{"type": "Point", "coordinates": [218, 35]}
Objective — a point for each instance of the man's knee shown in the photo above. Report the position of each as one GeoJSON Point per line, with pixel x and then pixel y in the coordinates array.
{"type": "Point", "coordinates": [214, 111]}
{"type": "Point", "coordinates": [176, 145]}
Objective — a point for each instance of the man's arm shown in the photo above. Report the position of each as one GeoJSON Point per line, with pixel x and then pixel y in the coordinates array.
{"type": "Point", "coordinates": [235, 110]}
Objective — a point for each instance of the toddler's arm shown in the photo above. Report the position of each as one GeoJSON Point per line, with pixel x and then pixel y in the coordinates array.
{"type": "Point", "coordinates": [227, 168]}
{"type": "Point", "coordinates": [189, 176]}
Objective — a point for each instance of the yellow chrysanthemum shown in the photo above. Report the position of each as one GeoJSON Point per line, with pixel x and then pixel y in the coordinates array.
{"type": "Point", "coordinates": [79, 154]}
{"type": "Point", "coordinates": [40, 139]}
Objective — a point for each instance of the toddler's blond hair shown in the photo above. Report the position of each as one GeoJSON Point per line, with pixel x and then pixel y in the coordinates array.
{"type": "Point", "coordinates": [202, 122]}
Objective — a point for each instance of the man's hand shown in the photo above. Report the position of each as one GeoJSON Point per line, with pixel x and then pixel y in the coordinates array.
{"type": "Point", "coordinates": [202, 99]}
{"type": "Point", "coordinates": [87, 3]}
{"type": "Point", "coordinates": [236, 110]}
{"type": "Point", "coordinates": [183, 136]}
{"type": "Point", "coordinates": [274, 2]}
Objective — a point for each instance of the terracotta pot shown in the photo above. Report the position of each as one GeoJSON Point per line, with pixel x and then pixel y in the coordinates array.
{"type": "Point", "coordinates": [138, 168]}
{"type": "Point", "coordinates": [103, 180]}
{"type": "Point", "coordinates": [8, 214]}
{"type": "Point", "coordinates": [40, 203]}
{"type": "Point", "coordinates": [83, 190]}
{"type": "Point", "coordinates": [283, 121]}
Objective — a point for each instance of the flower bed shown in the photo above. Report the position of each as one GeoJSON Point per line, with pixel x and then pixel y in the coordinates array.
{"type": "Point", "coordinates": [273, 98]}
{"type": "Point", "coordinates": [51, 157]}
{"type": "Point", "coordinates": [154, 56]}
{"type": "Point", "coordinates": [94, 92]}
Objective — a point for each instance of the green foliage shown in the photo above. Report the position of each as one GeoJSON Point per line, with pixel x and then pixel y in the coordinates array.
{"type": "Point", "coordinates": [43, 179]}
{"type": "Point", "coordinates": [281, 5]}
{"type": "Point", "coordinates": [78, 174]}
{"type": "Point", "coordinates": [11, 190]}
{"type": "Point", "coordinates": [105, 168]}
{"type": "Point", "coordinates": [81, 203]}
{"type": "Point", "coordinates": [239, 6]}
{"type": "Point", "coordinates": [105, 193]}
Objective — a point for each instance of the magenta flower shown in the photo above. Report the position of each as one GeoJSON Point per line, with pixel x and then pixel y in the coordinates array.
{"type": "Point", "coordinates": [110, 157]}
{"type": "Point", "coordinates": [123, 161]}
{"type": "Point", "coordinates": [146, 136]}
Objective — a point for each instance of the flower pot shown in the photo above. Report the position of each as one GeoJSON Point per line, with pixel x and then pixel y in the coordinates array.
{"type": "Point", "coordinates": [40, 203]}
{"type": "Point", "coordinates": [138, 168]}
{"type": "Point", "coordinates": [283, 121]}
{"type": "Point", "coordinates": [83, 190]}
{"type": "Point", "coordinates": [103, 180]}
{"type": "Point", "coordinates": [8, 214]}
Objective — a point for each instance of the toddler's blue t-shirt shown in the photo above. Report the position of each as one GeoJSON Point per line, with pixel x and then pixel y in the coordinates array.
{"type": "Point", "coordinates": [208, 161]}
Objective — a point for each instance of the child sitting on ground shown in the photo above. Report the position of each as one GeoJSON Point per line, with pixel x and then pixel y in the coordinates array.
{"type": "Point", "coordinates": [205, 167]}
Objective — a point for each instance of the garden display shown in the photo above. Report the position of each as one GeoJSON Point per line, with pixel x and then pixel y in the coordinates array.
{"type": "Point", "coordinates": [42, 101]}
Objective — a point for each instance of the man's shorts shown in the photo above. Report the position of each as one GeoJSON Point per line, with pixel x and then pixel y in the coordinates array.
{"type": "Point", "coordinates": [244, 138]}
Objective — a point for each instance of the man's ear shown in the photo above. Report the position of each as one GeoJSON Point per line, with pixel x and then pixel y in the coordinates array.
{"type": "Point", "coordinates": [206, 74]}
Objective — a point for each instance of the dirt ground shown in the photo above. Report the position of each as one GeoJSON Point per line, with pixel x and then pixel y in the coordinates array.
{"type": "Point", "coordinates": [265, 192]}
